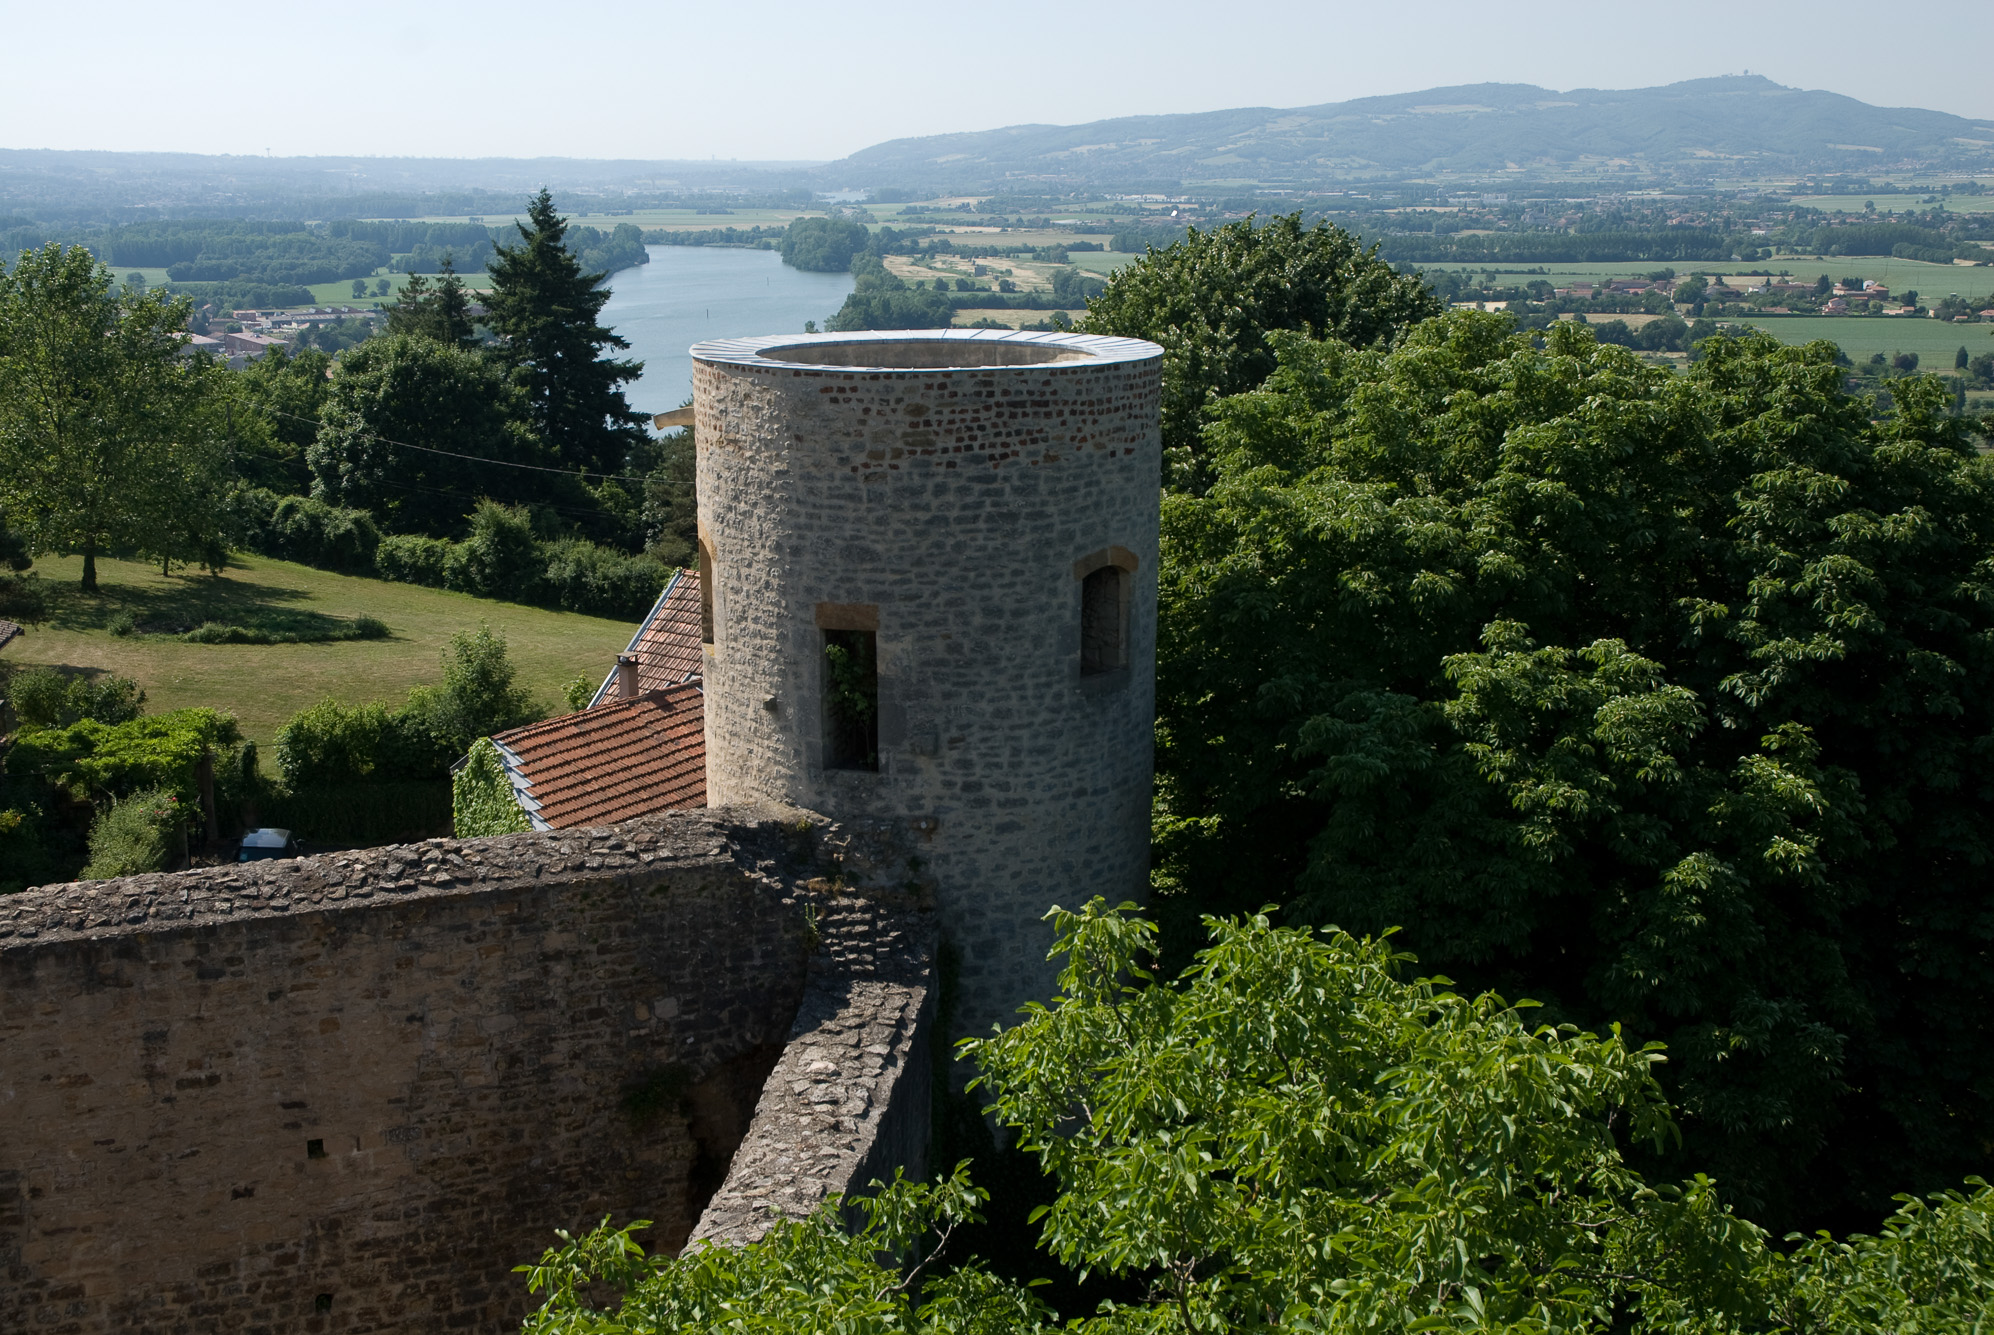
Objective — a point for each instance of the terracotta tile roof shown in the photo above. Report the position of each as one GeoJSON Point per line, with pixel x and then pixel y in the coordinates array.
{"type": "Point", "coordinates": [666, 644]}
{"type": "Point", "coordinates": [611, 763]}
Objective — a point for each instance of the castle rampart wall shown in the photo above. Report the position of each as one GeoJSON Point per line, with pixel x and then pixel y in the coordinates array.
{"type": "Point", "coordinates": [349, 1093]}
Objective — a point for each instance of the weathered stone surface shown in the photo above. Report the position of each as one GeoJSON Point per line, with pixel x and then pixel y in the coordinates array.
{"type": "Point", "coordinates": [958, 507]}
{"type": "Point", "coordinates": [348, 1093]}
{"type": "Point", "coordinates": [848, 1102]}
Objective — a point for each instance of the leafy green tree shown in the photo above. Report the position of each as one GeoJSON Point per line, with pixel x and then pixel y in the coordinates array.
{"type": "Point", "coordinates": [1657, 697]}
{"type": "Point", "coordinates": [279, 401]}
{"type": "Point", "coordinates": [1211, 300]}
{"type": "Point", "coordinates": [544, 310]}
{"type": "Point", "coordinates": [417, 431]}
{"type": "Point", "coordinates": [883, 300]}
{"type": "Point", "coordinates": [824, 245]}
{"type": "Point", "coordinates": [1292, 1137]}
{"type": "Point", "coordinates": [442, 313]}
{"type": "Point", "coordinates": [104, 441]}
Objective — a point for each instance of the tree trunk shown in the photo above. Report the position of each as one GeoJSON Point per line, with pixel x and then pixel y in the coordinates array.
{"type": "Point", "coordinates": [90, 567]}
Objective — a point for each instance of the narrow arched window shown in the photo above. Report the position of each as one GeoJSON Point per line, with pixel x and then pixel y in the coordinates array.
{"type": "Point", "coordinates": [1103, 621]}
{"type": "Point", "coordinates": [705, 592]}
{"type": "Point", "coordinates": [1104, 609]}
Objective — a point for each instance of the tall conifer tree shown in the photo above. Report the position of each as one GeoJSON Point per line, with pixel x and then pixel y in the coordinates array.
{"type": "Point", "coordinates": [544, 310]}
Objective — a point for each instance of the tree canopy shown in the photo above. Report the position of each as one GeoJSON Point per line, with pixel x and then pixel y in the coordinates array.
{"type": "Point", "coordinates": [397, 400]}
{"type": "Point", "coordinates": [824, 245]}
{"type": "Point", "coordinates": [545, 312]}
{"type": "Point", "coordinates": [1294, 1136]}
{"type": "Point", "coordinates": [110, 439]}
{"type": "Point", "coordinates": [1211, 300]}
{"type": "Point", "coordinates": [1662, 698]}
{"type": "Point", "coordinates": [442, 313]}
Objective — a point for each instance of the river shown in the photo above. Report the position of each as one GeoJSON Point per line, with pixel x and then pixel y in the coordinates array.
{"type": "Point", "coordinates": [690, 293]}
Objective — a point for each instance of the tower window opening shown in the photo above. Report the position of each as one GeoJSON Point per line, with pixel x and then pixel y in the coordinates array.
{"type": "Point", "coordinates": [1104, 621]}
{"type": "Point", "coordinates": [705, 593]}
{"type": "Point", "coordinates": [851, 700]}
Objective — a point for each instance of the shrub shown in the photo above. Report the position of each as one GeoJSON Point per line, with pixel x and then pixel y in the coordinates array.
{"type": "Point", "coordinates": [481, 798]}
{"type": "Point", "coordinates": [139, 834]}
{"type": "Point", "coordinates": [22, 600]}
{"type": "Point", "coordinates": [410, 558]}
{"type": "Point", "coordinates": [221, 632]}
{"type": "Point", "coordinates": [113, 759]}
{"type": "Point", "coordinates": [581, 576]}
{"type": "Point", "coordinates": [501, 558]}
{"type": "Point", "coordinates": [305, 530]}
{"type": "Point", "coordinates": [45, 698]}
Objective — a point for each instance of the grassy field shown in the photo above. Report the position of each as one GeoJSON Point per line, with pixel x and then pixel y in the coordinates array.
{"type": "Point", "coordinates": [670, 219]}
{"type": "Point", "coordinates": [340, 293]}
{"type": "Point", "coordinates": [1015, 319]}
{"type": "Point", "coordinates": [1927, 280]}
{"type": "Point", "coordinates": [1861, 336]}
{"type": "Point", "coordinates": [263, 685]}
{"type": "Point", "coordinates": [1899, 203]}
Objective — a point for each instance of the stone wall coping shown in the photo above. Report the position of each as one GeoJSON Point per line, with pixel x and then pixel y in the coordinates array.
{"type": "Point", "coordinates": [1093, 350]}
{"type": "Point", "coordinates": [275, 887]}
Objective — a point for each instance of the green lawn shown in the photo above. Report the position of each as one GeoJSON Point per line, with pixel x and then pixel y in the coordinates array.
{"type": "Point", "coordinates": [263, 685]}
{"type": "Point", "coordinates": [1935, 341]}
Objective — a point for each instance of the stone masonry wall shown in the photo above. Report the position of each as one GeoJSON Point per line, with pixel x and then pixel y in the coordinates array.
{"type": "Point", "coordinates": [955, 509]}
{"type": "Point", "coordinates": [849, 1100]}
{"type": "Point", "coordinates": [349, 1093]}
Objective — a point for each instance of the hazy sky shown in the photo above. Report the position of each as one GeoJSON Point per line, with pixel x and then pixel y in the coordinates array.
{"type": "Point", "coordinates": [596, 78]}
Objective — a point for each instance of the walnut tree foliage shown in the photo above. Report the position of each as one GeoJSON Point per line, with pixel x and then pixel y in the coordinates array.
{"type": "Point", "coordinates": [1662, 698]}
{"type": "Point", "coordinates": [1294, 1136]}
{"type": "Point", "coordinates": [1213, 299]}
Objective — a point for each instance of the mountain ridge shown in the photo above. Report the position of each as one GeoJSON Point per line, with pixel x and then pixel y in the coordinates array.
{"type": "Point", "coordinates": [1728, 121]}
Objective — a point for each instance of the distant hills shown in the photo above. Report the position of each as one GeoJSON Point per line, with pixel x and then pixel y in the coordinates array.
{"type": "Point", "coordinates": [1703, 127]}
{"type": "Point", "coordinates": [1700, 130]}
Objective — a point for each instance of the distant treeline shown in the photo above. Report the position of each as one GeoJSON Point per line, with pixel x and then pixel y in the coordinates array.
{"type": "Point", "coordinates": [248, 264]}
{"type": "Point", "coordinates": [1903, 240]}
{"type": "Point", "coordinates": [757, 238]}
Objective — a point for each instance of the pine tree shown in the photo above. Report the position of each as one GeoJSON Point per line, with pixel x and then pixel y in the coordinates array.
{"type": "Point", "coordinates": [442, 313]}
{"type": "Point", "coordinates": [544, 310]}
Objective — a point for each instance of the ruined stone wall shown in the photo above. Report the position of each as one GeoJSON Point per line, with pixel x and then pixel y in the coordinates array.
{"type": "Point", "coordinates": [349, 1093]}
{"type": "Point", "coordinates": [849, 1100]}
{"type": "Point", "coordinates": [955, 512]}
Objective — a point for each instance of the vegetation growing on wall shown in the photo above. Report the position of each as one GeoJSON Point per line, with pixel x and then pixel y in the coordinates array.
{"type": "Point", "coordinates": [481, 798]}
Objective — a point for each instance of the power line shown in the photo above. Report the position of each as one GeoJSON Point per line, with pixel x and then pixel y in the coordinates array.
{"type": "Point", "coordinates": [481, 459]}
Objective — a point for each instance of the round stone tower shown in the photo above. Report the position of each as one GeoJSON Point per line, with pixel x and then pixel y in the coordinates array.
{"type": "Point", "coordinates": [929, 561]}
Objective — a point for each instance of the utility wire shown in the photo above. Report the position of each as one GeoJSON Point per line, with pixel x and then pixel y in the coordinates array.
{"type": "Point", "coordinates": [481, 459]}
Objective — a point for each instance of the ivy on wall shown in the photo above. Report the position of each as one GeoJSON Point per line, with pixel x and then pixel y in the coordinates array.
{"type": "Point", "coordinates": [481, 796]}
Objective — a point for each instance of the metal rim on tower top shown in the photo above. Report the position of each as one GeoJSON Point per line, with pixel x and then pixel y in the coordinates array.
{"type": "Point", "coordinates": [926, 351]}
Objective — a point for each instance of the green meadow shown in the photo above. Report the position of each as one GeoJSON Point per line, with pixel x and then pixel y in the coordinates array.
{"type": "Point", "coordinates": [264, 684]}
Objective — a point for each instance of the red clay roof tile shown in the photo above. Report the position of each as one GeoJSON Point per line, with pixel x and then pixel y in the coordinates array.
{"type": "Point", "coordinates": [666, 644]}
{"type": "Point", "coordinates": [615, 761]}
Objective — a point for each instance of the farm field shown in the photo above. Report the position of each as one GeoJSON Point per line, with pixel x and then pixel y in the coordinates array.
{"type": "Point", "coordinates": [340, 292]}
{"type": "Point", "coordinates": [1928, 280]}
{"type": "Point", "coordinates": [670, 219]}
{"type": "Point", "coordinates": [1013, 319]}
{"type": "Point", "coordinates": [264, 684]}
{"type": "Point", "coordinates": [1862, 336]}
{"type": "Point", "coordinates": [1898, 203]}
